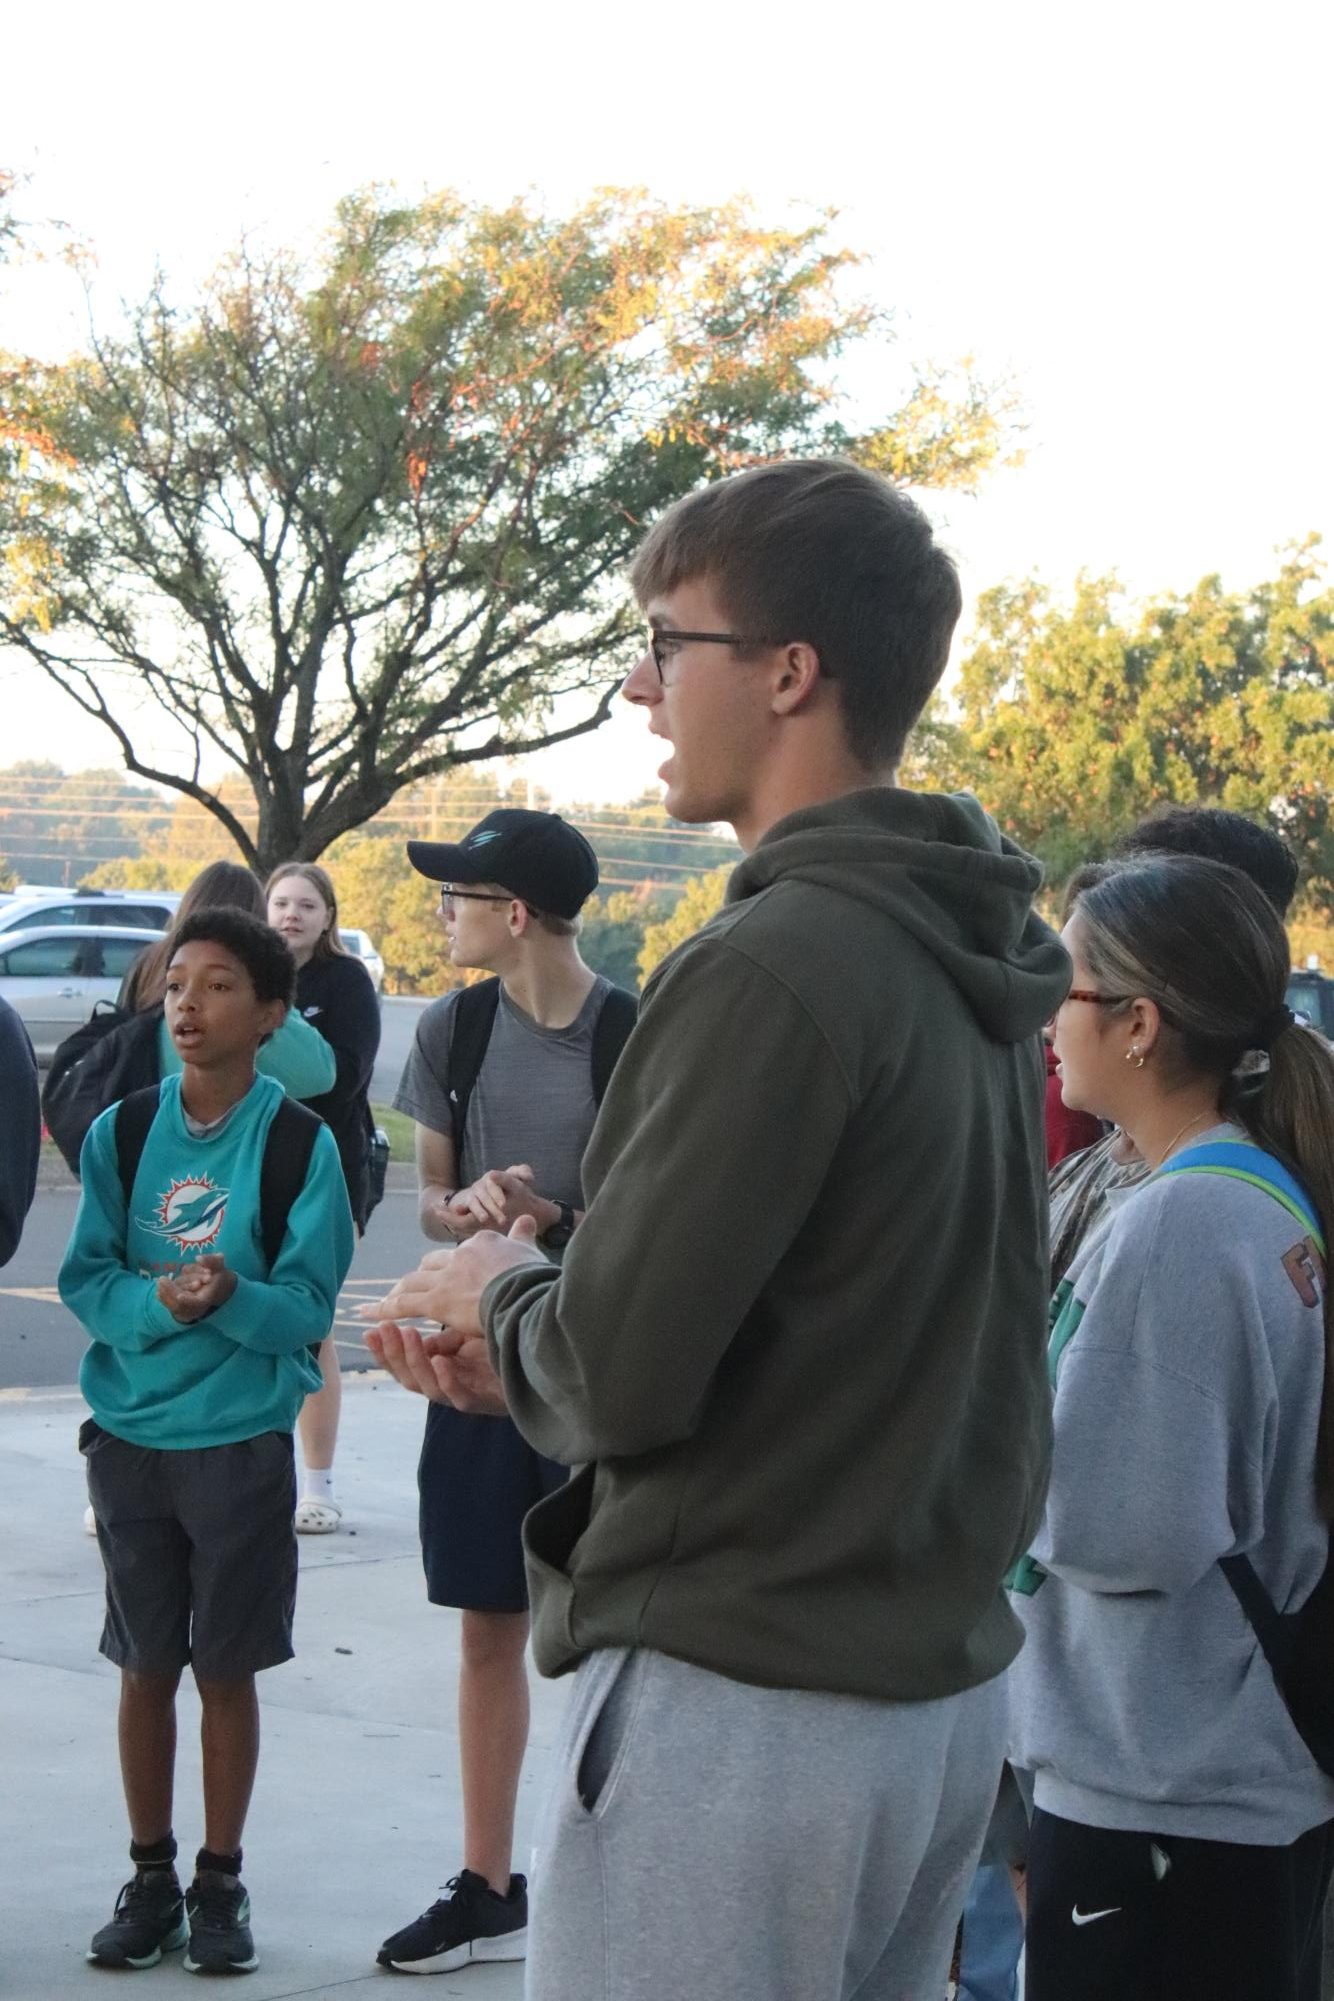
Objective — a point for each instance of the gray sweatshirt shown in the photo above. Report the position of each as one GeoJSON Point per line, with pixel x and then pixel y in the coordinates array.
{"type": "Point", "coordinates": [1189, 1367]}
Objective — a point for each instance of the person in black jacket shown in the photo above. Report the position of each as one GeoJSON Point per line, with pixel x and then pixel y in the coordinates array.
{"type": "Point", "coordinates": [22, 1129]}
{"type": "Point", "coordinates": [334, 994]}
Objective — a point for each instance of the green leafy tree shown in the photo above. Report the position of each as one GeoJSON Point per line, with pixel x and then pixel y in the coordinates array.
{"type": "Point", "coordinates": [31, 462]}
{"type": "Point", "coordinates": [703, 899]}
{"type": "Point", "coordinates": [1073, 720]}
{"type": "Point", "coordinates": [352, 523]}
{"type": "Point", "coordinates": [60, 826]}
{"type": "Point", "coordinates": [143, 872]}
{"type": "Point", "coordinates": [614, 930]}
{"type": "Point", "coordinates": [381, 893]}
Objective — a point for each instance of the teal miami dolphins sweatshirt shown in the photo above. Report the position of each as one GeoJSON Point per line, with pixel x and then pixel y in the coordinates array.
{"type": "Point", "coordinates": [245, 1368]}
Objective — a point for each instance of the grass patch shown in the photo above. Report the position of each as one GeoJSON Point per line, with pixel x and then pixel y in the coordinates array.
{"type": "Point", "coordinates": [399, 1127]}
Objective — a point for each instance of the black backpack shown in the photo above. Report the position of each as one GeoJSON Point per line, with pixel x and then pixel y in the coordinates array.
{"type": "Point", "coordinates": [113, 1054]}
{"type": "Point", "coordinates": [474, 1018]}
{"type": "Point", "coordinates": [288, 1146]}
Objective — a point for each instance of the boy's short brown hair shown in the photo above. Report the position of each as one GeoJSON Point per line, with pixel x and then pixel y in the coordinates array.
{"type": "Point", "coordinates": [823, 551]}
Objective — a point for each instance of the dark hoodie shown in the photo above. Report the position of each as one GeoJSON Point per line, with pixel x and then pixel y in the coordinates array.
{"type": "Point", "coordinates": [800, 1337]}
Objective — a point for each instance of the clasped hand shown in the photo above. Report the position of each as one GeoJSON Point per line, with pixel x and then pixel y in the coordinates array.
{"type": "Point", "coordinates": [195, 1290]}
{"type": "Point", "coordinates": [451, 1365]}
{"type": "Point", "coordinates": [496, 1201]}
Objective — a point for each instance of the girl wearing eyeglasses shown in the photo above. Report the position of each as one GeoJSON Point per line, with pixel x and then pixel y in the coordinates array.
{"type": "Point", "coordinates": [1182, 1839]}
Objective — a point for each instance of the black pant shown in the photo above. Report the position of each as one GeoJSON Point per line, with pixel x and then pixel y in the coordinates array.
{"type": "Point", "coordinates": [1159, 1917]}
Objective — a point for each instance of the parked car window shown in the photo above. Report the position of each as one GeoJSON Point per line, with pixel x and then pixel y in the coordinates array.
{"type": "Point", "coordinates": [1313, 996]}
{"type": "Point", "coordinates": [142, 916]}
{"type": "Point", "coordinates": [44, 958]}
{"type": "Point", "coordinates": [51, 913]}
{"type": "Point", "coordinates": [118, 955]}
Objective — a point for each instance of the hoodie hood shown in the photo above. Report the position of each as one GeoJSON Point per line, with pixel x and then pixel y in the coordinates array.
{"type": "Point", "coordinates": [938, 865]}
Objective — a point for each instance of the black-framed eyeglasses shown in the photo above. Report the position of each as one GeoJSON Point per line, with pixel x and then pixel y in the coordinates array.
{"type": "Point", "coordinates": [448, 895]}
{"type": "Point", "coordinates": [660, 637]}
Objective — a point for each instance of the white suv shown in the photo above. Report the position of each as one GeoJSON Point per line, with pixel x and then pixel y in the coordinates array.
{"type": "Point", "coordinates": [137, 909]}
{"type": "Point", "coordinates": [361, 947]}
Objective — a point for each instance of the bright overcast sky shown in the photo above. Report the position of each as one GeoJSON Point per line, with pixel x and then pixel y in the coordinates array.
{"type": "Point", "coordinates": [1128, 207]}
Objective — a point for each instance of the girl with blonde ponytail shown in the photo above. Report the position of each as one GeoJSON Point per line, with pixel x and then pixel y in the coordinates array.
{"type": "Point", "coordinates": [1184, 1832]}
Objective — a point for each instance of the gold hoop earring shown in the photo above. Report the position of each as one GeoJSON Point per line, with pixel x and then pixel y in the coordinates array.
{"type": "Point", "coordinates": [1135, 1056]}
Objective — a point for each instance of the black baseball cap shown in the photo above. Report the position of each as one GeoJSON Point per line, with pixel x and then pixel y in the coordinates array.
{"type": "Point", "coordinates": [536, 856]}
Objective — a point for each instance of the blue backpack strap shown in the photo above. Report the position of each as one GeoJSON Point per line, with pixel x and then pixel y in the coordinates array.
{"type": "Point", "coordinates": [1240, 1160]}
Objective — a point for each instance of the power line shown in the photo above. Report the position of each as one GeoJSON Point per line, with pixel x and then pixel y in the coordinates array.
{"type": "Point", "coordinates": [653, 870]}
{"type": "Point", "coordinates": [383, 828]}
{"type": "Point", "coordinates": [400, 826]}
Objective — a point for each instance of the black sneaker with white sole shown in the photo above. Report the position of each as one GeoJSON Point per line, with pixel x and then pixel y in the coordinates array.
{"type": "Point", "coordinates": [470, 1923]}
{"type": "Point", "coordinates": [219, 1913]}
{"type": "Point", "coordinates": [149, 1920]}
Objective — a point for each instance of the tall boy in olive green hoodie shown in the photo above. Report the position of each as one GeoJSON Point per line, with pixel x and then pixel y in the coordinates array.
{"type": "Point", "coordinates": [798, 1341]}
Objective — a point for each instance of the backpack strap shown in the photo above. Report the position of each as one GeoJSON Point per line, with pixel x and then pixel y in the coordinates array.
{"type": "Point", "coordinates": [474, 1018]}
{"type": "Point", "coordinates": [134, 1118]}
{"type": "Point", "coordinates": [611, 1032]}
{"type": "Point", "coordinates": [288, 1145]}
{"type": "Point", "coordinates": [1268, 1624]}
{"type": "Point", "coordinates": [1241, 1160]}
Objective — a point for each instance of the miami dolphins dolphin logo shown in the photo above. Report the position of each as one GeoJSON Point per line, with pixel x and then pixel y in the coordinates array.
{"type": "Point", "coordinates": [190, 1213]}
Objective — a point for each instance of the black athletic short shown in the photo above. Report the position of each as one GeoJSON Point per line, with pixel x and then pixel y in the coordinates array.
{"type": "Point", "coordinates": [477, 1480]}
{"type": "Point", "coordinates": [199, 1551]}
{"type": "Point", "coordinates": [1114, 1916]}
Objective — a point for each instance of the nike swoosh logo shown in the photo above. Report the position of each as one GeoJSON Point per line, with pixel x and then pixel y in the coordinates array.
{"type": "Point", "coordinates": [1079, 1917]}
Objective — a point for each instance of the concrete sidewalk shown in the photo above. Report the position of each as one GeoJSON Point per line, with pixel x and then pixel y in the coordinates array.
{"type": "Point", "coordinates": [357, 1816]}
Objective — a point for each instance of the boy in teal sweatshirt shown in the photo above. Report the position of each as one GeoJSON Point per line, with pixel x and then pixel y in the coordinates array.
{"type": "Point", "coordinates": [200, 1356]}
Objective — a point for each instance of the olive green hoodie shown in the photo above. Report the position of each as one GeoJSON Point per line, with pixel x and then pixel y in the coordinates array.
{"type": "Point", "coordinates": [800, 1337]}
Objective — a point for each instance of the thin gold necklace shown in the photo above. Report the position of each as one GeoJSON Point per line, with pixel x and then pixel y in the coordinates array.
{"type": "Point", "coordinates": [1171, 1144]}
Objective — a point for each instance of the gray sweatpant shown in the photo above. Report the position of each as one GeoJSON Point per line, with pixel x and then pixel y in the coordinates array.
{"type": "Point", "coordinates": [707, 1839]}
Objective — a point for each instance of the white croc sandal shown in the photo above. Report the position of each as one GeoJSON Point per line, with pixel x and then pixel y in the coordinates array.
{"type": "Point", "coordinates": [317, 1517]}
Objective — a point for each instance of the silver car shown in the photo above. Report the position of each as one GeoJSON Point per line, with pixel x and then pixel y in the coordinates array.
{"type": "Point", "coordinates": [137, 909]}
{"type": "Point", "coordinates": [54, 975]}
{"type": "Point", "coordinates": [359, 944]}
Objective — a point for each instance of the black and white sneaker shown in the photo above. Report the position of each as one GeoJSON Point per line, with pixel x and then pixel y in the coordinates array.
{"type": "Point", "coordinates": [149, 1920]}
{"type": "Point", "coordinates": [219, 1913]}
{"type": "Point", "coordinates": [470, 1923]}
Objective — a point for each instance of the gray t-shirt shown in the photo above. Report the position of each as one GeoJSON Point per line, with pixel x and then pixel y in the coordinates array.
{"type": "Point", "coordinates": [533, 1098]}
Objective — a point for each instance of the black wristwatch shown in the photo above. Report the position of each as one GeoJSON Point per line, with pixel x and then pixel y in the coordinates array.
{"type": "Point", "coordinates": [558, 1236]}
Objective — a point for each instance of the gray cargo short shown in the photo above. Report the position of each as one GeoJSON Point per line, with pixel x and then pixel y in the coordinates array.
{"type": "Point", "coordinates": [199, 1552]}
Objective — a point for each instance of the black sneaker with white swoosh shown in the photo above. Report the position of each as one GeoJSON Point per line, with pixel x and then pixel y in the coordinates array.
{"type": "Point", "coordinates": [471, 1923]}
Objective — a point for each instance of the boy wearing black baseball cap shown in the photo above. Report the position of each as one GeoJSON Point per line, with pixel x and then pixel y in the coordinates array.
{"type": "Point", "coordinates": [537, 857]}
{"type": "Point", "coordinates": [509, 1071]}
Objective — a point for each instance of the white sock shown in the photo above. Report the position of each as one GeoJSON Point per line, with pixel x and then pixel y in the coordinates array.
{"type": "Point", "coordinates": [317, 1484]}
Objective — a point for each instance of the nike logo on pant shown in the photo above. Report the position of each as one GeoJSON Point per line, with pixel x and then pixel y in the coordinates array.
{"type": "Point", "coordinates": [1079, 1917]}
